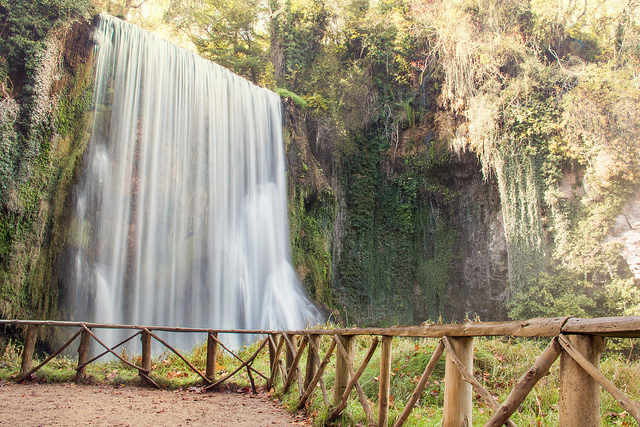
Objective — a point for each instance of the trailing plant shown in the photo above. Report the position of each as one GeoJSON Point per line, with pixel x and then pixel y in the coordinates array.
{"type": "Point", "coordinates": [539, 91]}
{"type": "Point", "coordinates": [311, 223]}
{"type": "Point", "coordinates": [43, 135]}
{"type": "Point", "coordinates": [398, 247]}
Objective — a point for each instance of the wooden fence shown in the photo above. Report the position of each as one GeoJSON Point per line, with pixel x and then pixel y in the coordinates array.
{"type": "Point", "coordinates": [577, 342]}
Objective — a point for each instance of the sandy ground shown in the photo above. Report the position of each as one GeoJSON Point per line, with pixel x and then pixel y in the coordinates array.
{"type": "Point", "coordinates": [38, 404]}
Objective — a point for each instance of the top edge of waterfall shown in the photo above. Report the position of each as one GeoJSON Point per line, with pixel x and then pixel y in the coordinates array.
{"type": "Point", "coordinates": [104, 20]}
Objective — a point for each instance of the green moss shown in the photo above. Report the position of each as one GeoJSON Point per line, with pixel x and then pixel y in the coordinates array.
{"type": "Point", "coordinates": [311, 218]}
{"type": "Point", "coordinates": [34, 219]}
{"type": "Point", "coordinates": [398, 244]}
{"type": "Point", "coordinates": [297, 99]}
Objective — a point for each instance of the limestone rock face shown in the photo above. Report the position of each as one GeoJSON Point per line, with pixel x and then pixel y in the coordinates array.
{"type": "Point", "coordinates": [480, 273]}
{"type": "Point", "coordinates": [626, 230]}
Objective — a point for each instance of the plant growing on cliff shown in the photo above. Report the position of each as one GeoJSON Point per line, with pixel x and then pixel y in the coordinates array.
{"type": "Point", "coordinates": [36, 168]}
{"type": "Point", "coordinates": [26, 73]}
{"type": "Point", "coordinates": [544, 94]}
{"type": "Point", "coordinates": [538, 87]}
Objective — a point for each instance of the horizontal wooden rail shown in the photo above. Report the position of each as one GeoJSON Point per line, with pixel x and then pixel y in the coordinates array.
{"type": "Point", "coordinates": [623, 327]}
{"type": "Point", "coordinates": [91, 325]}
{"type": "Point", "coordinates": [298, 343]}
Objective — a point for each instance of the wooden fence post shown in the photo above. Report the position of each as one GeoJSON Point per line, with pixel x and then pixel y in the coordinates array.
{"type": "Point", "coordinates": [27, 351]}
{"type": "Point", "coordinates": [579, 393]}
{"type": "Point", "coordinates": [273, 338]}
{"type": "Point", "coordinates": [274, 359]}
{"type": "Point", "coordinates": [312, 360]}
{"type": "Point", "coordinates": [212, 355]}
{"type": "Point", "coordinates": [83, 355]}
{"type": "Point", "coordinates": [385, 381]}
{"type": "Point", "coordinates": [458, 395]}
{"type": "Point", "coordinates": [342, 371]}
{"type": "Point", "coordinates": [145, 362]}
{"type": "Point", "coordinates": [289, 351]}
{"type": "Point", "coordinates": [272, 348]}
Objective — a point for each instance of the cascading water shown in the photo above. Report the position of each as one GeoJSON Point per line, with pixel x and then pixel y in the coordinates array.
{"type": "Point", "coordinates": [181, 217]}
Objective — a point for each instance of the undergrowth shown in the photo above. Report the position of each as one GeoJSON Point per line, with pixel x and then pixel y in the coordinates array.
{"type": "Point", "coordinates": [498, 363]}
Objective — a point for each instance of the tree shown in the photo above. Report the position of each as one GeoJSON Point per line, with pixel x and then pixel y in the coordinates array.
{"type": "Point", "coordinates": [230, 33]}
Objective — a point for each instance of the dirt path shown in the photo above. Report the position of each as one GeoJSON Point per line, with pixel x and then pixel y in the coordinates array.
{"type": "Point", "coordinates": [76, 405]}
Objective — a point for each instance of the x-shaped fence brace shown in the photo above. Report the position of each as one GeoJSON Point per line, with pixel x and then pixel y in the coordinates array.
{"type": "Point", "coordinates": [246, 364]}
{"type": "Point", "coordinates": [502, 412]}
{"type": "Point", "coordinates": [143, 371]}
{"type": "Point", "coordinates": [523, 386]}
{"type": "Point", "coordinates": [316, 366]}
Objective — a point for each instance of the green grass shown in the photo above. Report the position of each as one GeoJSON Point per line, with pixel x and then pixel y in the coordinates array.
{"type": "Point", "coordinates": [498, 363]}
{"type": "Point", "coordinates": [167, 369]}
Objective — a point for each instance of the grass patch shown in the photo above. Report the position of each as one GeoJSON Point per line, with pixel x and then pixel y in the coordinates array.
{"type": "Point", "coordinates": [498, 364]}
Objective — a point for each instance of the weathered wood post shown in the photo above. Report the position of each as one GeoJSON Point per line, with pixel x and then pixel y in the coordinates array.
{"type": "Point", "coordinates": [312, 360]}
{"type": "Point", "coordinates": [458, 396]}
{"type": "Point", "coordinates": [342, 372]}
{"type": "Point", "coordinates": [289, 351]}
{"type": "Point", "coordinates": [29, 345]}
{"type": "Point", "coordinates": [273, 350]}
{"type": "Point", "coordinates": [212, 355]}
{"type": "Point", "coordinates": [145, 362]}
{"type": "Point", "coordinates": [385, 381]}
{"type": "Point", "coordinates": [276, 363]}
{"type": "Point", "coordinates": [27, 351]}
{"type": "Point", "coordinates": [579, 393]}
{"type": "Point", "coordinates": [293, 371]}
{"type": "Point", "coordinates": [83, 355]}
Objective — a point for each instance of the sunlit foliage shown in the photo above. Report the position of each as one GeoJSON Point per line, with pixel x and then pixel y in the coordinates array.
{"type": "Point", "coordinates": [543, 93]}
{"type": "Point", "coordinates": [387, 93]}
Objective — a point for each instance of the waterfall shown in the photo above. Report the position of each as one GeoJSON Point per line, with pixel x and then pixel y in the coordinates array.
{"type": "Point", "coordinates": [181, 215]}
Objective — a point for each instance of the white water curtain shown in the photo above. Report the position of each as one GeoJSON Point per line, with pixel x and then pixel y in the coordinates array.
{"type": "Point", "coordinates": [181, 214]}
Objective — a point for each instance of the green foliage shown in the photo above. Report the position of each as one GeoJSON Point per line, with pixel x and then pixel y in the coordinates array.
{"type": "Point", "coordinates": [433, 270]}
{"type": "Point", "coordinates": [398, 246]}
{"type": "Point", "coordinates": [25, 25]}
{"type": "Point", "coordinates": [74, 103]}
{"type": "Point", "coordinates": [541, 89]}
{"type": "Point", "coordinates": [529, 126]}
{"type": "Point", "coordinates": [297, 31]}
{"type": "Point", "coordinates": [43, 135]}
{"type": "Point", "coordinates": [558, 293]}
{"type": "Point", "coordinates": [8, 144]}
{"type": "Point", "coordinates": [621, 296]}
{"type": "Point", "coordinates": [311, 223]}
{"type": "Point", "coordinates": [230, 35]}
{"type": "Point", "coordinates": [297, 99]}
{"type": "Point", "coordinates": [23, 68]}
